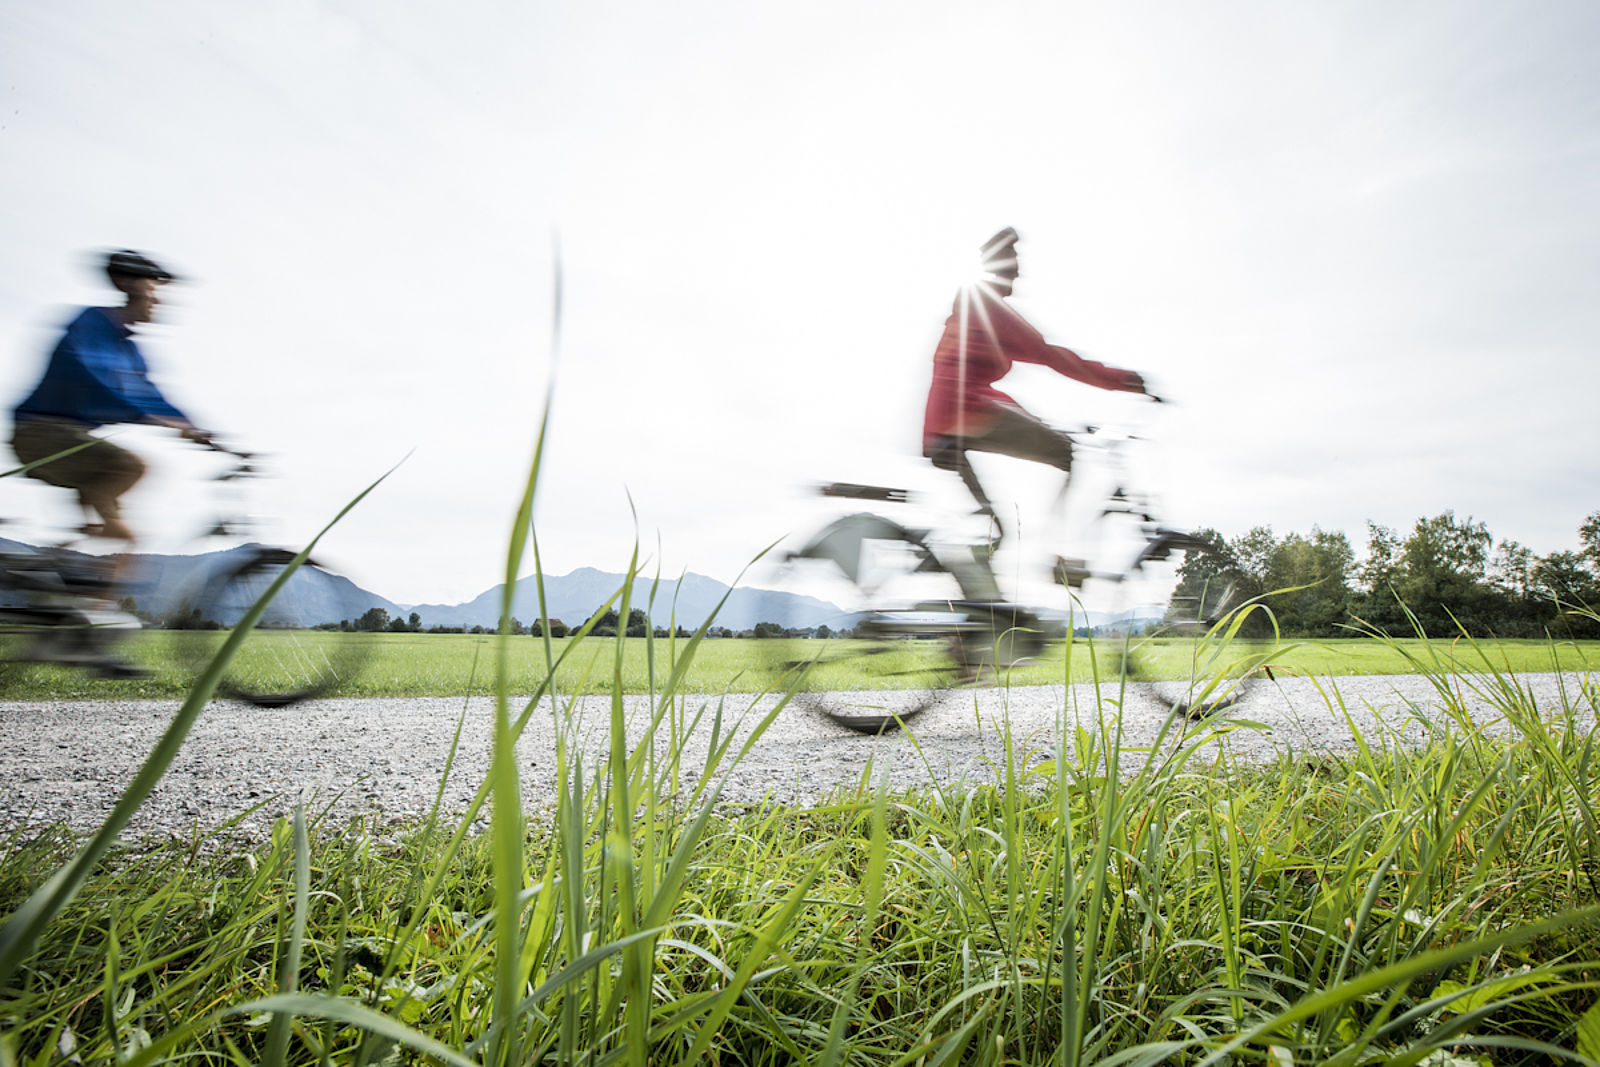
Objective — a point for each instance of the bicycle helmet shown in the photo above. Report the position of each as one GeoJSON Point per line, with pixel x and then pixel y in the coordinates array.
{"type": "Point", "coordinates": [130, 264]}
{"type": "Point", "coordinates": [999, 253]}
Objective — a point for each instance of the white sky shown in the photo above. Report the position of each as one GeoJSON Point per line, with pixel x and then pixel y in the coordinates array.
{"type": "Point", "coordinates": [1355, 243]}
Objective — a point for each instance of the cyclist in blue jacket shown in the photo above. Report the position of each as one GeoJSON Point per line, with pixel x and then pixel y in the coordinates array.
{"type": "Point", "coordinates": [98, 377]}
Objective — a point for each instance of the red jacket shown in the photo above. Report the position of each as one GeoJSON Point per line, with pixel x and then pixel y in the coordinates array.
{"type": "Point", "coordinates": [960, 403]}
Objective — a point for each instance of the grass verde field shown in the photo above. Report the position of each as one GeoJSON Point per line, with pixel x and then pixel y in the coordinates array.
{"type": "Point", "coordinates": [1415, 905]}
{"type": "Point", "coordinates": [420, 665]}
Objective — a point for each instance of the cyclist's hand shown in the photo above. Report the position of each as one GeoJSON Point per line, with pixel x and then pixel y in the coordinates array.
{"type": "Point", "coordinates": [1140, 385]}
{"type": "Point", "coordinates": [197, 435]}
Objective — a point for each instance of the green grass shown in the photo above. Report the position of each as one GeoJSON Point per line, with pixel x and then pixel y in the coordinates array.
{"type": "Point", "coordinates": [1348, 910]}
{"type": "Point", "coordinates": [418, 665]}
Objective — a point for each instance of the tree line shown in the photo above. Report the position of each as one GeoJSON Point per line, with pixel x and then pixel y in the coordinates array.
{"type": "Point", "coordinates": [607, 623]}
{"type": "Point", "coordinates": [1445, 576]}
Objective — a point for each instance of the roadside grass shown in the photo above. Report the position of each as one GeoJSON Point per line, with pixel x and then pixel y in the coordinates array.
{"type": "Point", "coordinates": [433, 665]}
{"type": "Point", "coordinates": [1107, 906]}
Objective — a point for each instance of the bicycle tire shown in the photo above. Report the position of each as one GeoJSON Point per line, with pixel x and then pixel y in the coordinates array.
{"type": "Point", "coordinates": [915, 632]}
{"type": "Point", "coordinates": [285, 660]}
{"type": "Point", "coordinates": [1190, 660]}
{"type": "Point", "coordinates": [911, 672]}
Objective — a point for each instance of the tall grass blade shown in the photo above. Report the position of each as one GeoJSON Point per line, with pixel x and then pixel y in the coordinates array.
{"type": "Point", "coordinates": [289, 976]}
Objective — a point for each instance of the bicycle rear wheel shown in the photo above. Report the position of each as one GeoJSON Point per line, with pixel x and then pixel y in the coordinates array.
{"type": "Point", "coordinates": [890, 671]}
{"type": "Point", "coordinates": [1195, 659]}
{"type": "Point", "coordinates": [905, 636]}
{"type": "Point", "coordinates": [286, 659]}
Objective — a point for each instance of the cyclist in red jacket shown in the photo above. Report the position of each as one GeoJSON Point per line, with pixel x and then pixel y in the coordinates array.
{"type": "Point", "coordinates": [982, 338]}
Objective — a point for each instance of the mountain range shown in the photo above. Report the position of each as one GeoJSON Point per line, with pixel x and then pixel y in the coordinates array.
{"type": "Point", "coordinates": [162, 583]}
{"type": "Point", "coordinates": [686, 602]}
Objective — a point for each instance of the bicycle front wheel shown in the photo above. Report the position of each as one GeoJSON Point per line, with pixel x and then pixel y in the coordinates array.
{"type": "Point", "coordinates": [1195, 657]}
{"type": "Point", "coordinates": [295, 652]}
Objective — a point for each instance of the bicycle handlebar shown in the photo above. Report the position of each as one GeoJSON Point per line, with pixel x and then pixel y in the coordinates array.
{"type": "Point", "coordinates": [245, 467]}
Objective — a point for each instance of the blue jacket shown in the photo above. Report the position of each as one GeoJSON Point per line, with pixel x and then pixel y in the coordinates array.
{"type": "Point", "coordinates": [96, 376]}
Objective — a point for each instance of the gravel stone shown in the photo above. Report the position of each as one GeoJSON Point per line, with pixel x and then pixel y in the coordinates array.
{"type": "Point", "coordinates": [67, 762]}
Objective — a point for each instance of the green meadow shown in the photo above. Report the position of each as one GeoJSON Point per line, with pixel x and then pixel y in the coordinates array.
{"type": "Point", "coordinates": [436, 665]}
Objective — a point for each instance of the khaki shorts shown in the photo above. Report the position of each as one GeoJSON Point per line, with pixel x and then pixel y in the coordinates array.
{"type": "Point", "coordinates": [104, 469]}
{"type": "Point", "coordinates": [1008, 431]}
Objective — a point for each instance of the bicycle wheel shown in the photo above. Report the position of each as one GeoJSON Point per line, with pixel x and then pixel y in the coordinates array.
{"type": "Point", "coordinates": [907, 630]}
{"type": "Point", "coordinates": [1189, 655]}
{"type": "Point", "coordinates": [285, 659]}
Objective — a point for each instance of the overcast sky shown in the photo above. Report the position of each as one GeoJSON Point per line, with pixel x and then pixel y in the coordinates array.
{"type": "Point", "coordinates": [1356, 244]}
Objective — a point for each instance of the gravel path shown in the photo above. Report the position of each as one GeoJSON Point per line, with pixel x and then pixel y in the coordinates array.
{"type": "Point", "coordinates": [68, 762]}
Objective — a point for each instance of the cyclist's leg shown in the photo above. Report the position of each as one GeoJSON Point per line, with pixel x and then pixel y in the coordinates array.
{"type": "Point", "coordinates": [1015, 433]}
{"type": "Point", "coordinates": [100, 473]}
{"type": "Point", "coordinates": [950, 454]}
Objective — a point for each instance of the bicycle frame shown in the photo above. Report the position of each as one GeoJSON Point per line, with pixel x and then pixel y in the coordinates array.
{"type": "Point", "coordinates": [844, 541]}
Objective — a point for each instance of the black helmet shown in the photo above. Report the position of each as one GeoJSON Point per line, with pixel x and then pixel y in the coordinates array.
{"type": "Point", "coordinates": [130, 264]}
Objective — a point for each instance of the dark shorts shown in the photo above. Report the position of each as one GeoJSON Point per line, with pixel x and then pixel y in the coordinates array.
{"type": "Point", "coordinates": [104, 469]}
{"type": "Point", "coordinates": [1011, 432]}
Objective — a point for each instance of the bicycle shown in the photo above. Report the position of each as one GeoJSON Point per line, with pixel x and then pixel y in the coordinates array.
{"type": "Point", "coordinates": [930, 613]}
{"type": "Point", "coordinates": [60, 603]}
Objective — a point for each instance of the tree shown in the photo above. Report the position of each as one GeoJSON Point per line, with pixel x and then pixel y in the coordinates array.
{"type": "Point", "coordinates": [189, 617]}
{"type": "Point", "coordinates": [605, 625]}
{"type": "Point", "coordinates": [1253, 554]}
{"type": "Point", "coordinates": [1444, 581]}
{"type": "Point", "coordinates": [824, 632]}
{"type": "Point", "coordinates": [1511, 570]}
{"type": "Point", "coordinates": [373, 620]}
{"type": "Point", "coordinates": [1377, 572]}
{"type": "Point", "coordinates": [131, 606]}
{"type": "Point", "coordinates": [1304, 581]}
{"type": "Point", "coordinates": [1589, 538]}
{"type": "Point", "coordinates": [638, 623]}
{"type": "Point", "coordinates": [1564, 576]}
{"type": "Point", "coordinates": [414, 623]}
{"type": "Point", "coordinates": [1202, 575]}
{"type": "Point", "coordinates": [397, 625]}
{"type": "Point", "coordinates": [1308, 582]}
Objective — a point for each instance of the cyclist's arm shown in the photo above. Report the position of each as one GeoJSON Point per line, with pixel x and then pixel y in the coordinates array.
{"type": "Point", "coordinates": [1066, 361]}
{"type": "Point", "coordinates": [117, 385]}
{"type": "Point", "coordinates": [1024, 343]}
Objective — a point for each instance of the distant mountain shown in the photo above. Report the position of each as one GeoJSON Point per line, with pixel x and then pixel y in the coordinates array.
{"type": "Point", "coordinates": [574, 597]}
{"type": "Point", "coordinates": [163, 582]}
{"type": "Point", "coordinates": [159, 584]}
